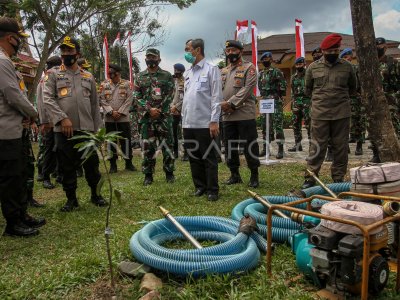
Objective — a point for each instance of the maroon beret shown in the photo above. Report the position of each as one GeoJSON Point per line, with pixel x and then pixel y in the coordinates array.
{"type": "Point", "coordinates": [331, 41]}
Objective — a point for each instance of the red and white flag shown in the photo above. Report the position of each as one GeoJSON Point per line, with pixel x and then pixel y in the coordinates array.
{"type": "Point", "coordinates": [117, 41]}
{"type": "Point", "coordinates": [241, 28]}
{"type": "Point", "coordinates": [254, 50]}
{"type": "Point", "coordinates": [299, 39]}
{"type": "Point", "coordinates": [106, 57]}
{"type": "Point", "coordinates": [129, 55]}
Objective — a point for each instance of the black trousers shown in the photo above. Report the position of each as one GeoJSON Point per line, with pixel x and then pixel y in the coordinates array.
{"type": "Point", "coordinates": [125, 131]}
{"type": "Point", "coordinates": [13, 201]}
{"type": "Point", "coordinates": [49, 155]}
{"type": "Point", "coordinates": [70, 159]}
{"type": "Point", "coordinates": [201, 149]}
{"type": "Point", "coordinates": [244, 134]}
{"type": "Point", "coordinates": [176, 120]}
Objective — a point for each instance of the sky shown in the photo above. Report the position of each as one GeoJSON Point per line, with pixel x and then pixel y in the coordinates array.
{"type": "Point", "coordinates": [215, 22]}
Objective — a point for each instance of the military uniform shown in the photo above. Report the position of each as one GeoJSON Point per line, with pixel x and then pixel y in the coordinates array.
{"type": "Point", "coordinates": [155, 90]}
{"type": "Point", "coordinates": [177, 102]}
{"type": "Point", "coordinates": [117, 97]}
{"type": "Point", "coordinates": [300, 106]}
{"type": "Point", "coordinates": [329, 86]}
{"type": "Point", "coordinates": [238, 82]}
{"type": "Point", "coordinates": [272, 84]}
{"type": "Point", "coordinates": [73, 95]}
{"type": "Point", "coordinates": [15, 107]}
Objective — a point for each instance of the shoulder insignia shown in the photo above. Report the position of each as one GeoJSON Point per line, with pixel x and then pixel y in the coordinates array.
{"type": "Point", "coordinates": [46, 78]}
{"type": "Point", "coordinates": [252, 70]}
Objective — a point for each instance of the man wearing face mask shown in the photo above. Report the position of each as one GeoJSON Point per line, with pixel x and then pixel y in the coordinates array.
{"type": "Point", "coordinates": [390, 76]}
{"type": "Point", "coordinates": [115, 98]}
{"type": "Point", "coordinates": [176, 107]}
{"type": "Point", "coordinates": [153, 93]}
{"type": "Point", "coordinates": [239, 113]}
{"type": "Point", "coordinates": [330, 82]}
{"type": "Point", "coordinates": [357, 120]}
{"type": "Point", "coordinates": [16, 113]}
{"type": "Point", "coordinates": [300, 104]}
{"type": "Point", "coordinates": [272, 84]}
{"type": "Point", "coordinates": [71, 101]}
{"type": "Point", "coordinates": [316, 54]}
{"type": "Point", "coordinates": [200, 119]}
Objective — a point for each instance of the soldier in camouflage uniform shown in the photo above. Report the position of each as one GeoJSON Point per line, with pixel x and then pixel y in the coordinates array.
{"type": "Point", "coordinates": [153, 93]}
{"type": "Point", "coordinates": [357, 121]}
{"type": "Point", "coordinates": [272, 84]}
{"type": "Point", "coordinates": [390, 74]}
{"type": "Point", "coordinates": [300, 105]}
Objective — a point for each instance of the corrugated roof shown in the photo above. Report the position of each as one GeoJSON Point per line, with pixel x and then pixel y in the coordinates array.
{"type": "Point", "coordinates": [28, 59]}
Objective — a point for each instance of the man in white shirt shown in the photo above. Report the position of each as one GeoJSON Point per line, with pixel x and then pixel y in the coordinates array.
{"type": "Point", "coordinates": [200, 119]}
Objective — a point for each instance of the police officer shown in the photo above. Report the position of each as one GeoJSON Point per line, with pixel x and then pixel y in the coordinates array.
{"type": "Point", "coordinates": [316, 53]}
{"type": "Point", "coordinates": [390, 76]}
{"type": "Point", "coordinates": [357, 120]}
{"type": "Point", "coordinates": [272, 84]}
{"type": "Point", "coordinates": [115, 98]}
{"type": "Point", "coordinates": [47, 156]}
{"type": "Point", "coordinates": [153, 93]}
{"type": "Point", "coordinates": [239, 113]}
{"type": "Point", "coordinates": [176, 106]}
{"type": "Point", "coordinates": [71, 101]}
{"type": "Point", "coordinates": [300, 104]}
{"type": "Point", "coordinates": [329, 81]}
{"type": "Point", "coordinates": [16, 111]}
{"type": "Point", "coordinates": [84, 64]}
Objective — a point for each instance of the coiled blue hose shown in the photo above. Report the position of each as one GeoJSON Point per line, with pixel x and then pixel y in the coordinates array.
{"type": "Point", "coordinates": [235, 252]}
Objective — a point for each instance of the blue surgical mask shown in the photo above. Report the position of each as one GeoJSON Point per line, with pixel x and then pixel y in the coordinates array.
{"type": "Point", "coordinates": [189, 57]}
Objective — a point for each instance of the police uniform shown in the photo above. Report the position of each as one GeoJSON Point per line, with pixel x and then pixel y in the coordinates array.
{"type": "Point", "coordinates": [177, 103]}
{"type": "Point", "coordinates": [155, 90]}
{"type": "Point", "coordinates": [71, 94]}
{"type": "Point", "coordinates": [117, 97]}
{"type": "Point", "coordinates": [15, 107]}
{"type": "Point", "coordinates": [238, 82]}
{"type": "Point", "coordinates": [300, 107]}
{"type": "Point", "coordinates": [272, 84]}
{"type": "Point", "coordinates": [329, 85]}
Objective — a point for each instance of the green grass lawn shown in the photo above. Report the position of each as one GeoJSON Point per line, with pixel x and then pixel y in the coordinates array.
{"type": "Point", "coordinates": [68, 259]}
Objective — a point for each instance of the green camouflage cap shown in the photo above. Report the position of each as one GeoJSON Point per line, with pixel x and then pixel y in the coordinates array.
{"type": "Point", "coordinates": [152, 51]}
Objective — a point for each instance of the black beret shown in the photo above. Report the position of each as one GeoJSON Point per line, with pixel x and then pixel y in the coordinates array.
{"type": "Point", "coordinates": [115, 67]}
{"type": "Point", "coordinates": [179, 67]}
{"type": "Point", "coordinates": [380, 41]}
{"type": "Point", "coordinates": [234, 44]}
{"type": "Point", "coordinates": [300, 60]}
{"type": "Point", "coordinates": [316, 50]}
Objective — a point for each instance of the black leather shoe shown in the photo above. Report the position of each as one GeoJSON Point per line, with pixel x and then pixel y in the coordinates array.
{"type": "Point", "coordinates": [199, 193]}
{"type": "Point", "coordinates": [170, 177]}
{"type": "Point", "coordinates": [79, 172]}
{"type": "Point", "coordinates": [98, 200]}
{"type": "Point", "coordinates": [48, 185]}
{"type": "Point", "coordinates": [148, 179]}
{"type": "Point", "coordinates": [20, 229]}
{"type": "Point", "coordinates": [32, 202]}
{"type": "Point", "coordinates": [295, 148]}
{"type": "Point", "coordinates": [234, 179]}
{"type": "Point", "coordinates": [212, 197]}
{"type": "Point", "coordinates": [70, 205]}
{"type": "Point", "coordinates": [39, 178]}
{"type": "Point", "coordinates": [33, 222]}
{"type": "Point", "coordinates": [307, 184]}
{"type": "Point", "coordinates": [329, 156]}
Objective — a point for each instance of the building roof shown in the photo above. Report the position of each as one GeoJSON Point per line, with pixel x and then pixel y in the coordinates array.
{"type": "Point", "coordinates": [282, 44]}
{"type": "Point", "coordinates": [27, 59]}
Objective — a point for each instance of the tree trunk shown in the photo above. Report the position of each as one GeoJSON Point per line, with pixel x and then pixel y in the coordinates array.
{"type": "Point", "coordinates": [380, 126]}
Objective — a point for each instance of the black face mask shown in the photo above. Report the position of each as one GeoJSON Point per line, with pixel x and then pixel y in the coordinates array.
{"type": "Point", "coordinates": [315, 58]}
{"type": "Point", "coordinates": [151, 63]}
{"type": "Point", "coordinates": [69, 60]}
{"type": "Point", "coordinates": [331, 58]}
{"type": "Point", "coordinates": [300, 70]}
{"type": "Point", "coordinates": [233, 57]}
{"type": "Point", "coordinates": [266, 64]}
{"type": "Point", "coordinates": [381, 51]}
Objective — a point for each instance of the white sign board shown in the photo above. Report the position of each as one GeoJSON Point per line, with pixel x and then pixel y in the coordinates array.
{"type": "Point", "coordinates": [267, 106]}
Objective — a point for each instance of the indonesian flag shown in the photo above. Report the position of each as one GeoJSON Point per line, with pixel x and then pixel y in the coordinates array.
{"type": "Point", "coordinates": [299, 39]}
{"type": "Point", "coordinates": [130, 59]}
{"type": "Point", "coordinates": [117, 41]}
{"type": "Point", "coordinates": [106, 57]}
{"type": "Point", "coordinates": [254, 49]}
{"type": "Point", "coordinates": [241, 28]}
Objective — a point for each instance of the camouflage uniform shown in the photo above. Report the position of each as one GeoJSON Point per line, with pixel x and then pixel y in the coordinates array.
{"type": "Point", "coordinates": [390, 74]}
{"type": "Point", "coordinates": [272, 83]}
{"type": "Point", "coordinates": [358, 116]}
{"type": "Point", "coordinates": [28, 162]}
{"type": "Point", "coordinates": [155, 90]}
{"type": "Point", "coordinates": [300, 107]}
